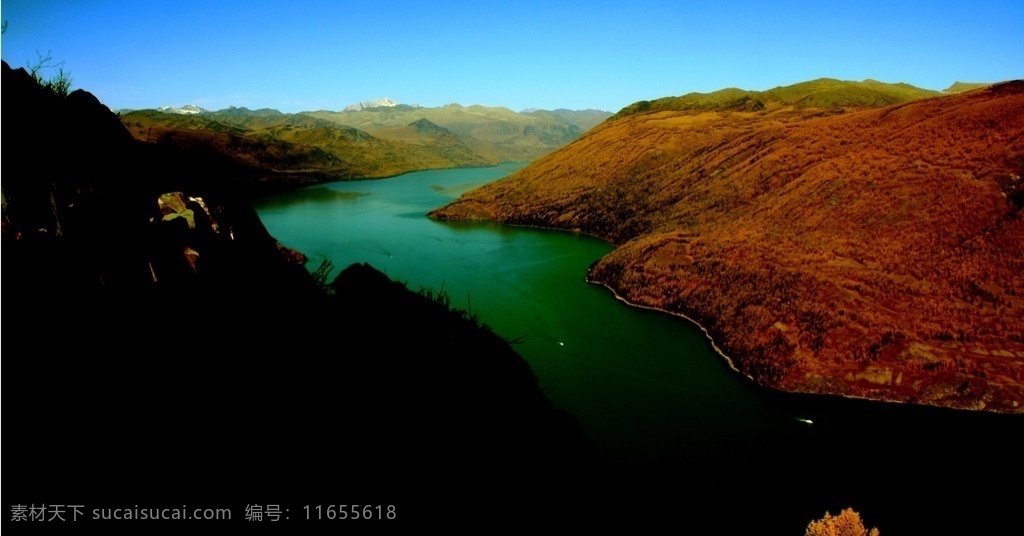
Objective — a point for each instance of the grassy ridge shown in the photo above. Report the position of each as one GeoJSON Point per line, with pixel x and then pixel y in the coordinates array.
{"type": "Point", "coordinates": [825, 93]}
{"type": "Point", "coordinates": [961, 87]}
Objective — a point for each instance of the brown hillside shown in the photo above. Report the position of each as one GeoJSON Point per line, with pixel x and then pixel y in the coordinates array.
{"type": "Point", "coordinates": [876, 253]}
{"type": "Point", "coordinates": [307, 152]}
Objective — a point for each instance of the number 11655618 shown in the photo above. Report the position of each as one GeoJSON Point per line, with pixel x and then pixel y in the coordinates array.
{"type": "Point", "coordinates": [349, 511]}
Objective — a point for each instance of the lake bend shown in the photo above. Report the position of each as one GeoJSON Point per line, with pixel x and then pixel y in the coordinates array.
{"type": "Point", "coordinates": [648, 389]}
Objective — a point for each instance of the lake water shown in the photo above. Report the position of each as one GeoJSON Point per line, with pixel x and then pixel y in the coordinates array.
{"type": "Point", "coordinates": [646, 386]}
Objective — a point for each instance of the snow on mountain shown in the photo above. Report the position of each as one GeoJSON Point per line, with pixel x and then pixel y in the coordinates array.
{"type": "Point", "coordinates": [188, 109]}
{"type": "Point", "coordinates": [376, 103]}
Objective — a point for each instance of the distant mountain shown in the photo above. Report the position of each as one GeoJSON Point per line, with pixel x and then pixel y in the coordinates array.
{"type": "Point", "coordinates": [824, 93]}
{"type": "Point", "coordinates": [859, 250]}
{"type": "Point", "coordinates": [424, 126]}
{"type": "Point", "coordinates": [296, 149]}
{"type": "Point", "coordinates": [376, 103]}
{"type": "Point", "coordinates": [243, 112]}
{"type": "Point", "coordinates": [375, 141]}
{"type": "Point", "coordinates": [585, 119]}
{"type": "Point", "coordinates": [960, 87]}
{"type": "Point", "coordinates": [188, 109]}
{"type": "Point", "coordinates": [498, 134]}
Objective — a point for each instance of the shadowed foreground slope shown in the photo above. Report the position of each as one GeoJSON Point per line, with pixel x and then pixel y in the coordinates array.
{"type": "Point", "coordinates": [873, 253]}
{"type": "Point", "coordinates": [160, 348]}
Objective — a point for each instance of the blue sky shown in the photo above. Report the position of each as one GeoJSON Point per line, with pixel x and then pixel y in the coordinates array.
{"type": "Point", "coordinates": [309, 55]}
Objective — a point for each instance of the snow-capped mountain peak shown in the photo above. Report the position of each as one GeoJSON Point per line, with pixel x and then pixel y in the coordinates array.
{"type": "Point", "coordinates": [188, 109]}
{"type": "Point", "coordinates": [376, 103]}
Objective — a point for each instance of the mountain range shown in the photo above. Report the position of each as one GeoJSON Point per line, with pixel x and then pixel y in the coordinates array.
{"type": "Point", "coordinates": [370, 142]}
{"type": "Point", "coordinates": [847, 238]}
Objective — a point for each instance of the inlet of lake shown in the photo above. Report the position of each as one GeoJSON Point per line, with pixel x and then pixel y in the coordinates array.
{"type": "Point", "coordinates": [647, 388]}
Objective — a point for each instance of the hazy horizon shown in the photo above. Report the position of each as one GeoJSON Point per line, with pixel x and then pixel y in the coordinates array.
{"type": "Point", "coordinates": [523, 55]}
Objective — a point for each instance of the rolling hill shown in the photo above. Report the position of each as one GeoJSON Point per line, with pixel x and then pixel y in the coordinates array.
{"type": "Point", "coordinates": [829, 241]}
{"type": "Point", "coordinates": [823, 93]}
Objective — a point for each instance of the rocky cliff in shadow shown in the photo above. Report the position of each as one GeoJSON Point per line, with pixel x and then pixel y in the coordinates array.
{"type": "Point", "coordinates": [158, 342]}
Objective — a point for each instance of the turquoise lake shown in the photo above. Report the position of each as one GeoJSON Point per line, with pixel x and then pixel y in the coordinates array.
{"type": "Point", "coordinates": [646, 387]}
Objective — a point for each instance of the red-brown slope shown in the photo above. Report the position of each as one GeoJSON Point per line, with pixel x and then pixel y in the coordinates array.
{"type": "Point", "coordinates": [877, 253]}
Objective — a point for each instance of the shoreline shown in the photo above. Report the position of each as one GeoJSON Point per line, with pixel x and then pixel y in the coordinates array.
{"type": "Point", "coordinates": [775, 390]}
{"type": "Point", "coordinates": [713, 344]}
{"type": "Point", "coordinates": [707, 334]}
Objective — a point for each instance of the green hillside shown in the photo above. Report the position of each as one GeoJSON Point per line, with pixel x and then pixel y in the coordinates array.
{"type": "Point", "coordinates": [961, 87]}
{"type": "Point", "coordinates": [820, 93]}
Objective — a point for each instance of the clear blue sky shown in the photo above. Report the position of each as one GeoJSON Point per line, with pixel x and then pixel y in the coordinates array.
{"type": "Point", "coordinates": [307, 55]}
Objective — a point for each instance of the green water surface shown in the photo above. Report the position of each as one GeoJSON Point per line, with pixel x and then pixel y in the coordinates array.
{"type": "Point", "coordinates": [646, 387]}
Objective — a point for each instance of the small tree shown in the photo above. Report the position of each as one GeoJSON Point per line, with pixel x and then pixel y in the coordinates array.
{"type": "Point", "coordinates": [322, 275]}
{"type": "Point", "coordinates": [847, 523]}
{"type": "Point", "coordinates": [59, 84]}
